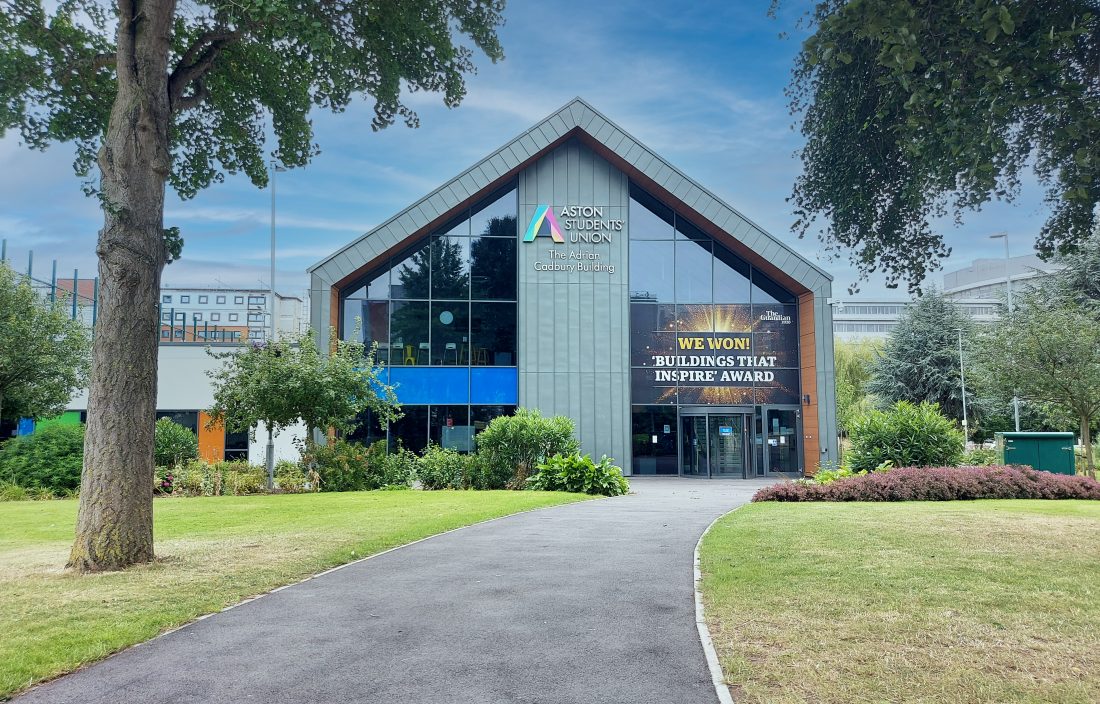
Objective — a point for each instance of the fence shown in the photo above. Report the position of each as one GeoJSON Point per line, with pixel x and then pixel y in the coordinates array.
{"type": "Point", "coordinates": [84, 304]}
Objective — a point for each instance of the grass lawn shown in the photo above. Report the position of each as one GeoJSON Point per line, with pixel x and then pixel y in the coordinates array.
{"type": "Point", "coordinates": [213, 552]}
{"type": "Point", "coordinates": [966, 601]}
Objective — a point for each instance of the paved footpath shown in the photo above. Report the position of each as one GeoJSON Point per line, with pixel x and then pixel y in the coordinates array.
{"type": "Point", "coordinates": [588, 602]}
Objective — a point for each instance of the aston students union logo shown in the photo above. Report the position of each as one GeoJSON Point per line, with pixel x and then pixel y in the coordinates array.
{"type": "Point", "coordinates": [543, 214]}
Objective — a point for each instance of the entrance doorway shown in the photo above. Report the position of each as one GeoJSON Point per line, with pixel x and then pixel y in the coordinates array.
{"type": "Point", "coordinates": [715, 444]}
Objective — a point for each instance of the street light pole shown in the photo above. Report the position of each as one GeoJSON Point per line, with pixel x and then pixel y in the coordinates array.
{"type": "Point", "coordinates": [1008, 291]}
{"type": "Point", "coordinates": [962, 380]}
{"type": "Point", "coordinates": [275, 168]}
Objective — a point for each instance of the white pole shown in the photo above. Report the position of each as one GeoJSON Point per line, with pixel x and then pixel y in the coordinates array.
{"type": "Point", "coordinates": [1008, 291]}
{"type": "Point", "coordinates": [962, 380]}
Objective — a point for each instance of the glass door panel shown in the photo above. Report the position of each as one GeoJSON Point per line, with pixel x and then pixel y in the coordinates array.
{"type": "Point", "coordinates": [781, 448]}
{"type": "Point", "coordinates": [727, 449]}
{"type": "Point", "coordinates": [693, 449]}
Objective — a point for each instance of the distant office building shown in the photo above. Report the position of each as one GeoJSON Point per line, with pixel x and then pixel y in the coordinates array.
{"type": "Point", "coordinates": [196, 314]}
{"type": "Point", "coordinates": [984, 279]}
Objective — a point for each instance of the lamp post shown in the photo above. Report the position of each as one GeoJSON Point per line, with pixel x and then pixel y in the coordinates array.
{"type": "Point", "coordinates": [1008, 291]}
{"type": "Point", "coordinates": [962, 380]}
{"type": "Point", "coordinates": [275, 168]}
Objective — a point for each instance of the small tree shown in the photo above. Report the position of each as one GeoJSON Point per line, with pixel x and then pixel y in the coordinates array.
{"type": "Point", "coordinates": [906, 435]}
{"type": "Point", "coordinates": [1047, 351]}
{"type": "Point", "coordinates": [852, 362]}
{"type": "Point", "coordinates": [44, 353]}
{"type": "Point", "coordinates": [920, 360]}
{"type": "Point", "coordinates": [280, 384]}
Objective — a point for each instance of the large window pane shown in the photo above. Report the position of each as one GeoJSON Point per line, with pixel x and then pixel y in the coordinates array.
{"type": "Point", "coordinates": [694, 319]}
{"type": "Point", "coordinates": [410, 275]}
{"type": "Point", "coordinates": [781, 388]}
{"type": "Point", "coordinates": [653, 436]}
{"type": "Point", "coordinates": [481, 416]}
{"type": "Point", "coordinates": [731, 277]}
{"type": "Point", "coordinates": [493, 268]}
{"type": "Point", "coordinates": [449, 427]}
{"type": "Point", "coordinates": [651, 267]}
{"type": "Point", "coordinates": [378, 286]}
{"type": "Point", "coordinates": [367, 429]}
{"type": "Point", "coordinates": [411, 432]}
{"type": "Point", "coordinates": [496, 218]}
{"type": "Point", "coordinates": [693, 265]}
{"type": "Point", "coordinates": [765, 291]}
{"type": "Point", "coordinates": [493, 334]}
{"type": "Point", "coordinates": [458, 227]}
{"type": "Point", "coordinates": [409, 333]}
{"type": "Point", "coordinates": [644, 387]}
{"type": "Point", "coordinates": [372, 317]}
{"type": "Point", "coordinates": [450, 333]}
{"type": "Point", "coordinates": [451, 267]}
{"type": "Point", "coordinates": [649, 219]}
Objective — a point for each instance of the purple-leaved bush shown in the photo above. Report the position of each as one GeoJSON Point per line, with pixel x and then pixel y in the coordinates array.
{"type": "Point", "coordinates": [939, 484]}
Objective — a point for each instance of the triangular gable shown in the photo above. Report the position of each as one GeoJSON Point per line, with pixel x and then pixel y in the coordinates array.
{"type": "Point", "coordinates": [608, 140]}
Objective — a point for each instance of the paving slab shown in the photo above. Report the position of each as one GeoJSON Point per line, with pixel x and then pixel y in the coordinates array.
{"type": "Point", "coordinates": [587, 602]}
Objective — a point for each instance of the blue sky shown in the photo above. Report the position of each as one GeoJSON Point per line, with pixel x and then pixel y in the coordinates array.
{"type": "Point", "coordinates": [701, 83]}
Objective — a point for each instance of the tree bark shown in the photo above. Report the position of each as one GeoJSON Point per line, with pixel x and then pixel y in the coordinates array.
{"type": "Point", "coordinates": [1086, 440]}
{"type": "Point", "coordinates": [115, 522]}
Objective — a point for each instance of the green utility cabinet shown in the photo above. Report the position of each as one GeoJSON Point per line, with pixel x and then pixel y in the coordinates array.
{"type": "Point", "coordinates": [1046, 452]}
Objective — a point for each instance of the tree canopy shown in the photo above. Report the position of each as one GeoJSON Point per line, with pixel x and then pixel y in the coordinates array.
{"type": "Point", "coordinates": [44, 353]}
{"type": "Point", "coordinates": [235, 69]}
{"type": "Point", "coordinates": [920, 360]}
{"type": "Point", "coordinates": [917, 110]}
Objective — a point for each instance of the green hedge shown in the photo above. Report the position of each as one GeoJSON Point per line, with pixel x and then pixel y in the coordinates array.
{"type": "Point", "coordinates": [51, 458]}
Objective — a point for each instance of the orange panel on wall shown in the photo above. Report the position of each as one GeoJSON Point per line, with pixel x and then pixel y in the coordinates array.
{"type": "Point", "coordinates": [811, 444]}
{"type": "Point", "coordinates": [211, 442]}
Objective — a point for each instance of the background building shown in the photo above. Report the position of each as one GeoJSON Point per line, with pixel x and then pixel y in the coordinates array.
{"type": "Point", "coordinates": [197, 314]}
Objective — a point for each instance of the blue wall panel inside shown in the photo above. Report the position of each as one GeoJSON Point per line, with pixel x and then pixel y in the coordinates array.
{"type": "Point", "coordinates": [440, 385]}
{"type": "Point", "coordinates": [495, 385]}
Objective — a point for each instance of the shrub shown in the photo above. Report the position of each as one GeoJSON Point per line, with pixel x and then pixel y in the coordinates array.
{"type": "Point", "coordinates": [939, 484]}
{"type": "Point", "coordinates": [513, 446]}
{"type": "Point", "coordinates": [173, 444]}
{"type": "Point", "coordinates": [291, 479]}
{"type": "Point", "coordinates": [580, 475]}
{"type": "Point", "coordinates": [441, 469]}
{"type": "Point", "coordinates": [349, 466]}
{"type": "Point", "coordinates": [908, 435]}
{"type": "Point", "coordinates": [49, 459]}
{"type": "Point", "coordinates": [195, 478]}
{"type": "Point", "coordinates": [831, 472]}
{"type": "Point", "coordinates": [979, 457]}
{"type": "Point", "coordinates": [399, 469]}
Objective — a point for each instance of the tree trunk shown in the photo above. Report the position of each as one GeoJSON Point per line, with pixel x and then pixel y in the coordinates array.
{"type": "Point", "coordinates": [115, 524]}
{"type": "Point", "coordinates": [1086, 440]}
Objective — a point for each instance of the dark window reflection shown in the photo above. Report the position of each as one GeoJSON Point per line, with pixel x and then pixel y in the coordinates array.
{"type": "Point", "coordinates": [236, 446]}
{"type": "Point", "coordinates": [481, 416]}
{"type": "Point", "coordinates": [764, 290]}
{"type": "Point", "coordinates": [653, 438]}
{"type": "Point", "coordinates": [378, 286]}
{"type": "Point", "coordinates": [450, 333]}
{"type": "Point", "coordinates": [409, 332]}
{"type": "Point", "coordinates": [731, 277]}
{"type": "Point", "coordinates": [651, 271]}
{"type": "Point", "coordinates": [649, 219]}
{"type": "Point", "coordinates": [781, 389]}
{"type": "Point", "coordinates": [449, 427]}
{"type": "Point", "coordinates": [411, 432]}
{"type": "Point", "coordinates": [458, 227]}
{"type": "Point", "coordinates": [410, 276]}
{"type": "Point", "coordinates": [496, 218]}
{"type": "Point", "coordinates": [367, 429]}
{"type": "Point", "coordinates": [493, 268]}
{"type": "Point", "coordinates": [451, 267]}
{"type": "Point", "coordinates": [493, 334]}
{"type": "Point", "coordinates": [188, 419]}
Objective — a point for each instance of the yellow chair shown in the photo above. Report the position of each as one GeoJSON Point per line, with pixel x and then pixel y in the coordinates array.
{"type": "Point", "coordinates": [410, 358]}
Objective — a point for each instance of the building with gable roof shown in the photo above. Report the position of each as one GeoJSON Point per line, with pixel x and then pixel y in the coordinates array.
{"type": "Point", "coordinates": [577, 272]}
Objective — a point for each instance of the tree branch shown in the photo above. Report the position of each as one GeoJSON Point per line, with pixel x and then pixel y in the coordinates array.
{"type": "Point", "coordinates": [195, 63]}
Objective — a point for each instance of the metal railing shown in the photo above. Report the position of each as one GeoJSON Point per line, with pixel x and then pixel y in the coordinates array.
{"type": "Point", "coordinates": [83, 306]}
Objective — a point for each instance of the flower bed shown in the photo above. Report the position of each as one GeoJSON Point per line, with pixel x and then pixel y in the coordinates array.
{"type": "Point", "coordinates": [939, 484]}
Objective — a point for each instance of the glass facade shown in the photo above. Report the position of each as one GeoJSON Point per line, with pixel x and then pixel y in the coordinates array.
{"type": "Point", "coordinates": [442, 314]}
{"type": "Point", "coordinates": [706, 329]}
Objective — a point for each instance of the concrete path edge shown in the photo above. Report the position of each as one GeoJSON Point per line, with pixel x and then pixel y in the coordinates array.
{"type": "Point", "coordinates": [719, 679]}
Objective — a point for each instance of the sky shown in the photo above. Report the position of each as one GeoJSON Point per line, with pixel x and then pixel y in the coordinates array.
{"type": "Point", "coordinates": [700, 83]}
